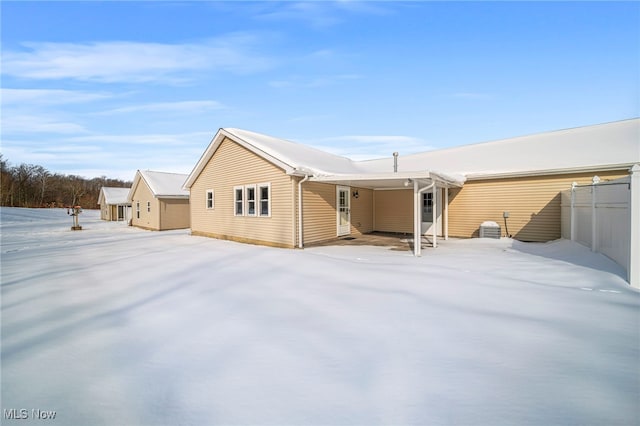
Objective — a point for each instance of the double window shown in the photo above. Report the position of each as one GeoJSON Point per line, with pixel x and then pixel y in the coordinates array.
{"type": "Point", "coordinates": [138, 210]}
{"type": "Point", "coordinates": [252, 200]}
{"type": "Point", "coordinates": [148, 206]}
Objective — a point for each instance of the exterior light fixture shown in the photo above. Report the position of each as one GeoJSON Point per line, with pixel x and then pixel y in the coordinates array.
{"type": "Point", "coordinates": [356, 194]}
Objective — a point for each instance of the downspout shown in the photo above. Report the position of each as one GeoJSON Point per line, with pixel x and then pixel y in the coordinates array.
{"type": "Point", "coordinates": [306, 178]}
{"type": "Point", "coordinates": [417, 223]}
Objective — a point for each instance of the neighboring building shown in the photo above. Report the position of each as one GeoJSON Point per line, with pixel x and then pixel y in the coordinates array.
{"type": "Point", "coordinates": [114, 205]}
{"type": "Point", "coordinates": [158, 201]}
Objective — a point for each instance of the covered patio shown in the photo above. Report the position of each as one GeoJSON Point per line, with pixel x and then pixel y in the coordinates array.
{"type": "Point", "coordinates": [421, 183]}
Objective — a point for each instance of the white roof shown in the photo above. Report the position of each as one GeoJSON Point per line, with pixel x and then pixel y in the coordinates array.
{"type": "Point", "coordinates": [161, 184]}
{"type": "Point", "coordinates": [293, 158]}
{"type": "Point", "coordinates": [110, 195]}
{"type": "Point", "coordinates": [598, 147]}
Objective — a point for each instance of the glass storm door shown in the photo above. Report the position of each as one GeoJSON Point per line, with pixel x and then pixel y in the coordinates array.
{"type": "Point", "coordinates": [426, 209]}
{"type": "Point", "coordinates": [343, 211]}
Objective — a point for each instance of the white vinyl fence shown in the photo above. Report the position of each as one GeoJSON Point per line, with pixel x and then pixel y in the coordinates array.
{"type": "Point", "coordinates": [605, 216]}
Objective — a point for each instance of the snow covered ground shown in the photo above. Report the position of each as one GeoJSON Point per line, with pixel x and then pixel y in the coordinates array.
{"type": "Point", "coordinates": [119, 326]}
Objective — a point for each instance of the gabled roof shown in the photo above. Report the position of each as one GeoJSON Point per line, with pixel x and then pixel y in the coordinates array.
{"type": "Point", "coordinates": [161, 184]}
{"type": "Point", "coordinates": [110, 195]}
{"type": "Point", "coordinates": [598, 147]}
{"type": "Point", "coordinates": [293, 158]}
{"type": "Point", "coordinates": [604, 146]}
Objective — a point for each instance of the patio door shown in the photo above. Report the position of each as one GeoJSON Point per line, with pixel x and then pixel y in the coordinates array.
{"type": "Point", "coordinates": [426, 209]}
{"type": "Point", "coordinates": [343, 210]}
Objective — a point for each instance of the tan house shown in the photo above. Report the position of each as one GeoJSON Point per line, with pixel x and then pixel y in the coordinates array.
{"type": "Point", "coordinates": [158, 201]}
{"type": "Point", "coordinates": [259, 189]}
{"type": "Point", "coordinates": [114, 205]}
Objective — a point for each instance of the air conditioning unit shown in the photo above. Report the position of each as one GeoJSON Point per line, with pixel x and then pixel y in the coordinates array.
{"type": "Point", "coordinates": [489, 229]}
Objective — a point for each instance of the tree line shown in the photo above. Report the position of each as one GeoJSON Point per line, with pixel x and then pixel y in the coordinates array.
{"type": "Point", "coordinates": [30, 185]}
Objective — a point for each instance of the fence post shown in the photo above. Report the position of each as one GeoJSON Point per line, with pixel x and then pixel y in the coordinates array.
{"type": "Point", "coordinates": [573, 211]}
{"type": "Point", "coordinates": [594, 225]}
{"type": "Point", "coordinates": [634, 227]}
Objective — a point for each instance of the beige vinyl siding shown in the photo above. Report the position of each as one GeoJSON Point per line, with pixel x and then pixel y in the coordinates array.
{"type": "Point", "coordinates": [394, 211]}
{"type": "Point", "coordinates": [319, 216]}
{"type": "Point", "coordinates": [233, 165]}
{"type": "Point", "coordinates": [362, 211]}
{"type": "Point", "coordinates": [148, 220]}
{"type": "Point", "coordinates": [533, 204]}
{"type": "Point", "coordinates": [174, 213]}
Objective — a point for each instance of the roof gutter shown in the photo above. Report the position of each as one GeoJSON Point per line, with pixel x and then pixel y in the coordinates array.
{"type": "Point", "coordinates": [506, 175]}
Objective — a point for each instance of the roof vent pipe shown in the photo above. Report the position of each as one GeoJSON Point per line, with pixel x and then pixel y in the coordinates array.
{"type": "Point", "coordinates": [395, 162]}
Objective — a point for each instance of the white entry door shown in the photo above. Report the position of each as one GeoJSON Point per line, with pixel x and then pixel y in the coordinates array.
{"type": "Point", "coordinates": [426, 208]}
{"type": "Point", "coordinates": [343, 210]}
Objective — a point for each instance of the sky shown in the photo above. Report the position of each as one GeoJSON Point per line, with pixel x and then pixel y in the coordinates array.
{"type": "Point", "coordinates": [106, 88]}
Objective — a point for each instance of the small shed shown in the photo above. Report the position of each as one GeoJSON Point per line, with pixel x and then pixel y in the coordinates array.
{"type": "Point", "coordinates": [114, 205]}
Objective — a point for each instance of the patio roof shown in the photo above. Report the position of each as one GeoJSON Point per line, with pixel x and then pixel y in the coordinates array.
{"type": "Point", "coordinates": [392, 180]}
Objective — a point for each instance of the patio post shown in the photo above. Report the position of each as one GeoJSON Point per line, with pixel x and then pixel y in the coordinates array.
{"type": "Point", "coordinates": [417, 240]}
{"type": "Point", "coordinates": [445, 207]}
{"type": "Point", "coordinates": [634, 231]}
{"type": "Point", "coordinates": [434, 210]}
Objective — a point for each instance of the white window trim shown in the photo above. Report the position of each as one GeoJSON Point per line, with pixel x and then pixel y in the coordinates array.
{"type": "Point", "coordinates": [259, 199]}
{"type": "Point", "coordinates": [235, 201]}
{"type": "Point", "coordinates": [213, 199]}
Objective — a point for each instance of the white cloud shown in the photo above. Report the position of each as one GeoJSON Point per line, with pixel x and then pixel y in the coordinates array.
{"type": "Point", "coordinates": [48, 96]}
{"type": "Point", "coordinates": [133, 62]}
{"type": "Point", "coordinates": [320, 14]}
{"type": "Point", "coordinates": [365, 147]}
{"type": "Point", "coordinates": [115, 156]}
{"type": "Point", "coordinates": [172, 139]}
{"type": "Point", "coordinates": [174, 107]}
{"type": "Point", "coordinates": [315, 14]}
{"type": "Point", "coordinates": [12, 124]}
{"type": "Point", "coordinates": [297, 82]}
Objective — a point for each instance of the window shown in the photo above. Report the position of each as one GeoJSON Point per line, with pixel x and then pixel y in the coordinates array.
{"type": "Point", "coordinates": [138, 210]}
{"type": "Point", "coordinates": [264, 191]}
{"type": "Point", "coordinates": [210, 199]}
{"type": "Point", "coordinates": [251, 200]}
{"type": "Point", "coordinates": [238, 196]}
{"type": "Point", "coordinates": [148, 206]}
{"type": "Point", "coordinates": [427, 207]}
